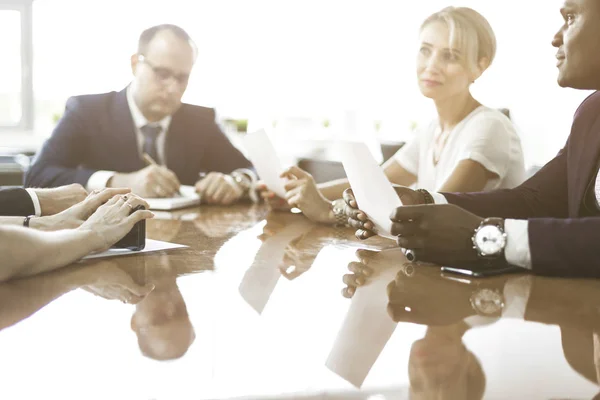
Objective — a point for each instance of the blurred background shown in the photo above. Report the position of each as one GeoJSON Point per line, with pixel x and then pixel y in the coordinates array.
{"type": "Point", "coordinates": [307, 71]}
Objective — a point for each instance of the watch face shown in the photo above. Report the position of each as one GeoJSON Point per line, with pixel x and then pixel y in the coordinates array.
{"type": "Point", "coordinates": [490, 240]}
{"type": "Point", "coordinates": [487, 301]}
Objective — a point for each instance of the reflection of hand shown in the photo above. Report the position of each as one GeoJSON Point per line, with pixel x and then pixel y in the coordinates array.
{"type": "Point", "coordinates": [75, 215]}
{"type": "Point", "coordinates": [152, 181]}
{"type": "Point", "coordinates": [360, 271]}
{"type": "Point", "coordinates": [107, 280]}
{"type": "Point", "coordinates": [358, 219]}
{"type": "Point", "coordinates": [302, 192]}
{"type": "Point", "coordinates": [296, 260]}
{"type": "Point", "coordinates": [273, 201]}
{"type": "Point", "coordinates": [114, 220]}
{"type": "Point", "coordinates": [437, 233]}
{"type": "Point", "coordinates": [218, 188]}
{"type": "Point", "coordinates": [58, 199]}
{"type": "Point", "coordinates": [420, 295]}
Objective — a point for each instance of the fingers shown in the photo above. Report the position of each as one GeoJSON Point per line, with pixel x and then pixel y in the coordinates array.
{"type": "Point", "coordinates": [162, 185]}
{"type": "Point", "coordinates": [132, 201]}
{"type": "Point", "coordinates": [295, 172]}
{"type": "Point", "coordinates": [407, 228]}
{"type": "Point", "coordinates": [348, 197]}
{"type": "Point", "coordinates": [95, 200]}
{"type": "Point", "coordinates": [138, 216]}
{"type": "Point", "coordinates": [406, 213]}
{"type": "Point", "coordinates": [363, 234]}
{"type": "Point", "coordinates": [354, 279]}
{"type": "Point", "coordinates": [293, 184]}
{"type": "Point", "coordinates": [204, 183]}
{"type": "Point", "coordinates": [348, 292]}
{"type": "Point", "coordinates": [360, 269]}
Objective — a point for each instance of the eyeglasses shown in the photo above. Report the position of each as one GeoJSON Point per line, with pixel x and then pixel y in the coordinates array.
{"type": "Point", "coordinates": [163, 74]}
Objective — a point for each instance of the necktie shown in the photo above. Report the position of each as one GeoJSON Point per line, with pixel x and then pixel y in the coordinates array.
{"type": "Point", "coordinates": [150, 133]}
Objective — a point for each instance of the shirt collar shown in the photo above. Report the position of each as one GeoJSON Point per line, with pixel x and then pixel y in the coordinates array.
{"type": "Point", "coordinates": [138, 118]}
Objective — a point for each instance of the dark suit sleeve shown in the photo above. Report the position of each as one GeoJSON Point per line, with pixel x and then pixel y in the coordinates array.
{"type": "Point", "coordinates": [223, 156]}
{"type": "Point", "coordinates": [58, 162]}
{"type": "Point", "coordinates": [16, 202]}
{"type": "Point", "coordinates": [543, 195]}
{"type": "Point", "coordinates": [565, 247]}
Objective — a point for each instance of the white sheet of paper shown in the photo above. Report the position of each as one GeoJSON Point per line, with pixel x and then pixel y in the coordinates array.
{"type": "Point", "coordinates": [189, 198]}
{"type": "Point", "coordinates": [372, 189]}
{"type": "Point", "coordinates": [365, 332]}
{"type": "Point", "coordinates": [264, 158]}
{"type": "Point", "coordinates": [151, 246]}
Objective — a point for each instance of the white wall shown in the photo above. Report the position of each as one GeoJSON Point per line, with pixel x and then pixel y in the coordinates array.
{"type": "Point", "coordinates": [310, 58]}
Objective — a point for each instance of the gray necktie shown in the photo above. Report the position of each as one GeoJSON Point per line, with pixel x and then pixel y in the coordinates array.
{"type": "Point", "coordinates": [150, 133]}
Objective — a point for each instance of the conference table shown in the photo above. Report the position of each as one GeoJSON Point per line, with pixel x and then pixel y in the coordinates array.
{"type": "Point", "coordinates": [267, 305]}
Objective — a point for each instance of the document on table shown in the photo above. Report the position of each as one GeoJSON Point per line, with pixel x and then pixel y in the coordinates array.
{"type": "Point", "coordinates": [151, 246]}
{"type": "Point", "coordinates": [264, 158]}
{"type": "Point", "coordinates": [189, 198]}
{"type": "Point", "coordinates": [373, 191]}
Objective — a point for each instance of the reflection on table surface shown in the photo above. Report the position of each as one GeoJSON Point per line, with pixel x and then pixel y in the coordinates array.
{"type": "Point", "coordinates": [257, 307]}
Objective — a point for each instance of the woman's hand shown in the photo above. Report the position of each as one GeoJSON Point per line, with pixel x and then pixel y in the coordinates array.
{"type": "Point", "coordinates": [75, 215]}
{"type": "Point", "coordinates": [113, 220]}
{"type": "Point", "coordinates": [302, 193]}
{"type": "Point", "coordinates": [275, 202]}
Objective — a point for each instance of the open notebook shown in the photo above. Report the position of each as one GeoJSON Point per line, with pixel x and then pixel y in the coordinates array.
{"type": "Point", "coordinates": [189, 198]}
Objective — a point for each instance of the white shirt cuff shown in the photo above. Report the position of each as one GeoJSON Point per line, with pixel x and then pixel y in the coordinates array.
{"type": "Point", "coordinates": [36, 202]}
{"type": "Point", "coordinates": [517, 244]}
{"type": "Point", "coordinates": [439, 198]}
{"type": "Point", "coordinates": [98, 180]}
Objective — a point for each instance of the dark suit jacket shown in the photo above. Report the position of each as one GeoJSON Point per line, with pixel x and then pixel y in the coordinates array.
{"type": "Point", "coordinates": [97, 133]}
{"type": "Point", "coordinates": [562, 241]}
{"type": "Point", "coordinates": [15, 202]}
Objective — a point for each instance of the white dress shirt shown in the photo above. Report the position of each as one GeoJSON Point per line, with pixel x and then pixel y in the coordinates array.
{"type": "Point", "coordinates": [36, 202]}
{"type": "Point", "coordinates": [100, 178]}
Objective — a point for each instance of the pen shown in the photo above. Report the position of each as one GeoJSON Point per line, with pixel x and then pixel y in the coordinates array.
{"type": "Point", "coordinates": [150, 161]}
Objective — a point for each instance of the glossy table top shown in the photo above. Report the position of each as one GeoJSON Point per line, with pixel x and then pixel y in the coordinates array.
{"type": "Point", "coordinates": [254, 308]}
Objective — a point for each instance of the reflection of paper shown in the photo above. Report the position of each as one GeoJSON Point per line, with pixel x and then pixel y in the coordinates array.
{"type": "Point", "coordinates": [365, 331]}
{"type": "Point", "coordinates": [373, 191]}
{"type": "Point", "coordinates": [264, 158]}
{"type": "Point", "coordinates": [189, 198]}
{"type": "Point", "coordinates": [261, 278]}
{"type": "Point", "coordinates": [151, 245]}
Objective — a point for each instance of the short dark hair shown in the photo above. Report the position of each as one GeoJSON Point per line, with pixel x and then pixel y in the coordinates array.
{"type": "Point", "coordinates": [149, 34]}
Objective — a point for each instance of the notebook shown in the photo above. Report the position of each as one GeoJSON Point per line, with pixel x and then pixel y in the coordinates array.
{"type": "Point", "coordinates": [190, 198]}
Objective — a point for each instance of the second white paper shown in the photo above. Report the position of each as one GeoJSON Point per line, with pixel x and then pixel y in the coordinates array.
{"type": "Point", "coordinates": [264, 158]}
{"type": "Point", "coordinates": [373, 191]}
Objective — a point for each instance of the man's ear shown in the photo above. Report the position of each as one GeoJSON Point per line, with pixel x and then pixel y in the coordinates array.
{"type": "Point", "coordinates": [135, 59]}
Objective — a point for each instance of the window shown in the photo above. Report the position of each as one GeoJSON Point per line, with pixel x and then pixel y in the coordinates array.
{"type": "Point", "coordinates": [16, 90]}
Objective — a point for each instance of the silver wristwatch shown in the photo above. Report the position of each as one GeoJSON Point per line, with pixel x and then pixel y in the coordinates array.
{"type": "Point", "coordinates": [489, 239]}
{"type": "Point", "coordinates": [338, 208]}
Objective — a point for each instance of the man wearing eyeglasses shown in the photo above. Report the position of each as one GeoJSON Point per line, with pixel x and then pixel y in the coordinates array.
{"type": "Point", "coordinates": [144, 137]}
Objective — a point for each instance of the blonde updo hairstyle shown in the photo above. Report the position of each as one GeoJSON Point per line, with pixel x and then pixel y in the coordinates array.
{"type": "Point", "coordinates": [471, 34]}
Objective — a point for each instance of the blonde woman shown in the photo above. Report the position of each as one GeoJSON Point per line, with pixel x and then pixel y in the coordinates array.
{"type": "Point", "coordinates": [468, 147]}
